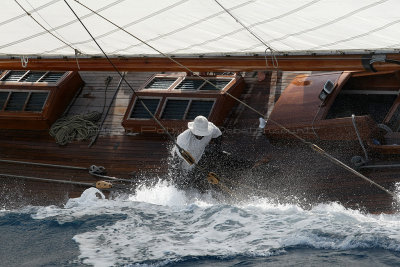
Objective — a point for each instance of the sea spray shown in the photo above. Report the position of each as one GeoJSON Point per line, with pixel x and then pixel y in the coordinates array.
{"type": "Point", "coordinates": [161, 225]}
{"type": "Point", "coordinates": [164, 224]}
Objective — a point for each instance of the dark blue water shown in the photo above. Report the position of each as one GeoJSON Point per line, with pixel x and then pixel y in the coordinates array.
{"type": "Point", "coordinates": [162, 226]}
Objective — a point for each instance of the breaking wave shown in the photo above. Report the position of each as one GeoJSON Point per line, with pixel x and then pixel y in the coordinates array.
{"type": "Point", "coordinates": [161, 225]}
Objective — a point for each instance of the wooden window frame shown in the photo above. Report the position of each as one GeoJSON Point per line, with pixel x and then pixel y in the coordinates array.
{"type": "Point", "coordinates": [214, 100]}
{"type": "Point", "coordinates": [5, 74]}
{"type": "Point", "coordinates": [222, 104]}
{"type": "Point", "coordinates": [142, 98]}
{"type": "Point", "coordinates": [59, 96]}
{"type": "Point", "coordinates": [2, 109]}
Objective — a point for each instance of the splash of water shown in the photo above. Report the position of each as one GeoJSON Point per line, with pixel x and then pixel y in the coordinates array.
{"type": "Point", "coordinates": [162, 225]}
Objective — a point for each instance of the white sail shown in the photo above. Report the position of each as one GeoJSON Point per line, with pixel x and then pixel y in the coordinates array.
{"type": "Point", "coordinates": [199, 27]}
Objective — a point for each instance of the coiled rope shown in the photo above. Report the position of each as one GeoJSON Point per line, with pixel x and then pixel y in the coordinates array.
{"type": "Point", "coordinates": [76, 127]}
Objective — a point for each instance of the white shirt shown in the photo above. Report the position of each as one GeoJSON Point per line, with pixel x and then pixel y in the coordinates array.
{"type": "Point", "coordinates": [194, 146]}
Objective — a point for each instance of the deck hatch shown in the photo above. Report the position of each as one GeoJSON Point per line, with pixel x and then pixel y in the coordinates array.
{"type": "Point", "coordinates": [175, 109]}
{"type": "Point", "coordinates": [199, 107]}
{"type": "Point", "coordinates": [139, 112]}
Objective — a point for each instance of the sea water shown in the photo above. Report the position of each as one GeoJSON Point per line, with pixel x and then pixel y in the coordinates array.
{"type": "Point", "coordinates": [160, 225]}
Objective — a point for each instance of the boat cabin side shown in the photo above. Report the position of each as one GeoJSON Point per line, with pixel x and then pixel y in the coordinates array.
{"type": "Point", "coordinates": [340, 105]}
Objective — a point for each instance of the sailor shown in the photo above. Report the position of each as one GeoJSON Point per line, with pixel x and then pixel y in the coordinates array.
{"type": "Point", "coordinates": [203, 141]}
{"type": "Point", "coordinates": [196, 138]}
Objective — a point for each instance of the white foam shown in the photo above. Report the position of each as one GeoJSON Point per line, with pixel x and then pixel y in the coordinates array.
{"type": "Point", "coordinates": [165, 224]}
{"type": "Point", "coordinates": [162, 193]}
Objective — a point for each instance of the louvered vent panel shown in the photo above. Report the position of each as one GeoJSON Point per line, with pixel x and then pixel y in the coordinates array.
{"type": "Point", "coordinates": [3, 99]}
{"type": "Point", "coordinates": [52, 77]}
{"type": "Point", "coordinates": [160, 83]}
{"type": "Point", "coordinates": [33, 76]}
{"type": "Point", "coordinates": [174, 109]}
{"type": "Point", "coordinates": [36, 101]}
{"type": "Point", "coordinates": [14, 76]}
{"type": "Point", "coordinates": [188, 84]}
{"type": "Point", "coordinates": [218, 82]}
{"type": "Point", "coordinates": [199, 107]}
{"type": "Point", "coordinates": [17, 101]}
{"type": "Point", "coordinates": [139, 112]}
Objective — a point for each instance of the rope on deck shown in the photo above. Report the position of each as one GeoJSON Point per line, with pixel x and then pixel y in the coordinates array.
{"type": "Point", "coordinates": [76, 127]}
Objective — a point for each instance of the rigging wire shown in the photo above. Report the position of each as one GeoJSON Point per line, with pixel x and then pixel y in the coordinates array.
{"type": "Point", "coordinates": [290, 12]}
{"type": "Point", "coordinates": [183, 28]}
{"type": "Point", "coordinates": [183, 152]}
{"type": "Point", "coordinates": [31, 11]}
{"type": "Point", "coordinates": [50, 32]}
{"type": "Point", "coordinates": [151, 15]}
{"type": "Point", "coordinates": [311, 145]}
{"type": "Point", "coordinates": [268, 47]}
{"type": "Point", "coordinates": [329, 23]}
{"type": "Point", "coordinates": [58, 27]}
{"type": "Point", "coordinates": [51, 28]}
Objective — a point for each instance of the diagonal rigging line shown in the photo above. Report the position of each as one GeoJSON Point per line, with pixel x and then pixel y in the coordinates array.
{"type": "Point", "coordinates": [360, 35]}
{"type": "Point", "coordinates": [194, 23]}
{"type": "Point", "coordinates": [126, 25]}
{"type": "Point", "coordinates": [58, 27]}
{"type": "Point", "coordinates": [251, 25]}
{"type": "Point", "coordinates": [244, 26]}
{"type": "Point", "coordinates": [30, 15]}
{"type": "Point", "coordinates": [51, 28]}
{"type": "Point", "coordinates": [268, 47]}
{"type": "Point", "coordinates": [181, 150]}
{"type": "Point", "coordinates": [31, 11]}
{"type": "Point", "coordinates": [352, 13]}
{"type": "Point", "coordinates": [311, 145]}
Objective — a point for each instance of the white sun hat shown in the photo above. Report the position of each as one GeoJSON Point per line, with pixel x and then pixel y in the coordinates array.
{"type": "Point", "coordinates": [200, 126]}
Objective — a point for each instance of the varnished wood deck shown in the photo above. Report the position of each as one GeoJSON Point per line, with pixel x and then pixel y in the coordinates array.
{"type": "Point", "coordinates": [295, 172]}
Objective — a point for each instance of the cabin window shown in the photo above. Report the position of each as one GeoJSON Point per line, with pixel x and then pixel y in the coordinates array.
{"type": "Point", "coordinates": [192, 84]}
{"type": "Point", "coordinates": [177, 98]}
{"type": "Point", "coordinates": [138, 110]}
{"type": "Point", "coordinates": [189, 84]}
{"type": "Point", "coordinates": [3, 99]}
{"type": "Point", "coordinates": [160, 83]}
{"type": "Point", "coordinates": [219, 83]}
{"type": "Point", "coordinates": [377, 106]}
{"type": "Point", "coordinates": [32, 76]}
{"type": "Point", "coordinates": [14, 76]}
{"type": "Point", "coordinates": [52, 77]}
{"type": "Point", "coordinates": [23, 101]}
{"type": "Point", "coordinates": [16, 101]}
{"type": "Point", "coordinates": [174, 109]}
{"type": "Point", "coordinates": [187, 109]}
{"type": "Point", "coordinates": [199, 107]}
{"type": "Point", "coordinates": [34, 100]}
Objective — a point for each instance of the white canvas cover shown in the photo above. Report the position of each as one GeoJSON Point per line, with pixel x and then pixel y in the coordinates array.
{"type": "Point", "coordinates": [199, 27]}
